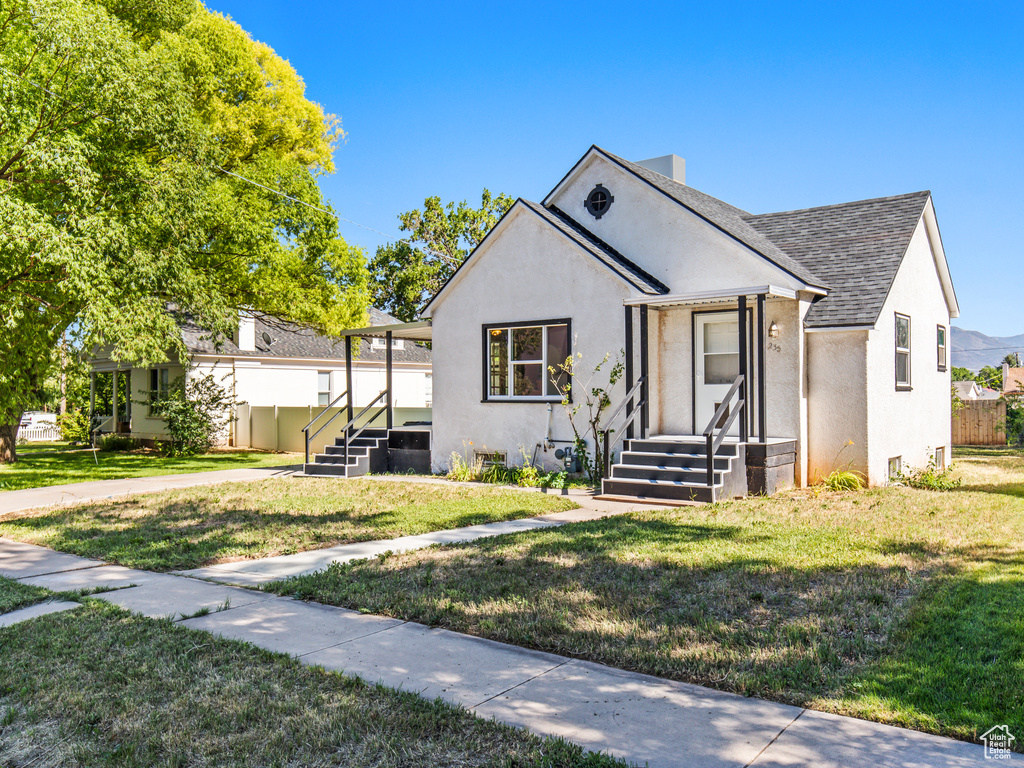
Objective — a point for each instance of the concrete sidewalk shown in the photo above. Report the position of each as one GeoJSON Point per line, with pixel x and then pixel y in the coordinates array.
{"type": "Point", "coordinates": [252, 573]}
{"type": "Point", "coordinates": [100, 490]}
{"type": "Point", "coordinates": [637, 717]}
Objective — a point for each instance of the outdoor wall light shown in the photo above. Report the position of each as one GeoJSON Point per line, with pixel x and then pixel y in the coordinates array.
{"type": "Point", "coordinates": [773, 330]}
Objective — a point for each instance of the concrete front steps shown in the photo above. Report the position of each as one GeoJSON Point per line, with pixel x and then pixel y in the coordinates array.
{"type": "Point", "coordinates": [366, 453]}
{"type": "Point", "coordinates": [675, 469]}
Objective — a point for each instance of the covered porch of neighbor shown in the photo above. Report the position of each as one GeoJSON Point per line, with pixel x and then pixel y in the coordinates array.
{"type": "Point", "coordinates": [366, 444]}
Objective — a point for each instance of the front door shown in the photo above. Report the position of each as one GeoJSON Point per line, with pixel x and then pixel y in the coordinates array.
{"type": "Point", "coordinates": [716, 365]}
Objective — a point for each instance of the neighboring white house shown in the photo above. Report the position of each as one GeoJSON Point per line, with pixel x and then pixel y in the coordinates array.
{"type": "Point", "coordinates": [268, 364]}
{"type": "Point", "coordinates": [844, 346]}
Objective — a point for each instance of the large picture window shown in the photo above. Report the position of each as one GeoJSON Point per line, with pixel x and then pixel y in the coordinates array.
{"type": "Point", "coordinates": [518, 357]}
{"type": "Point", "coordinates": [902, 352]}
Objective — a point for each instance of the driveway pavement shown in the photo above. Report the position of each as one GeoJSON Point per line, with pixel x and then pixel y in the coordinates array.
{"type": "Point", "coordinates": [643, 719]}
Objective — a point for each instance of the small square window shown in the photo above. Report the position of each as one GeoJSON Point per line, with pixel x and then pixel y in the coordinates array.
{"type": "Point", "coordinates": [895, 467]}
{"type": "Point", "coordinates": [487, 458]}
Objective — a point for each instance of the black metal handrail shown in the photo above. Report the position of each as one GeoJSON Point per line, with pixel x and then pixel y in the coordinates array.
{"type": "Point", "coordinates": [313, 421]}
{"type": "Point", "coordinates": [632, 412]}
{"type": "Point", "coordinates": [713, 442]}
{"type": "Point", "coordinates": [346, 430]}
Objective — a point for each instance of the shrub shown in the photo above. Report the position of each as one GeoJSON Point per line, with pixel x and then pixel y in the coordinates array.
{"type": "Point", "coordinates": [117, 443]}
{"type": "Point", "coordinates": [843, 480]}
{"type": "Point", "coordinates": [930, 477]}
{"type": "Point", "coordinates": [196, 414]}
{"type": "Point", "coordinates": [461, 470]}
{"type": "Point", "coordinates": [74, 426]}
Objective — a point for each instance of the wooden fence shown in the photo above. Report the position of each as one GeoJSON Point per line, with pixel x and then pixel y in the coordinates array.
{"type": "Point", "coordinates": [980, 422]}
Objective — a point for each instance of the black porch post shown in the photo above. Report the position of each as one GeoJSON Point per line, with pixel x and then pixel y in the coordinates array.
{"type": "Point", "coordinates": [762, 412]}
{"type": "Point", "coordinates": [629, 367]}
{"type": "Point", "coordinates": [348, 374]}
{"type": "Point", "coordinates": [645, 390]}
{"type": "Point", "coordinates": [387, 363]}
{"type": "Point", "coordinates": [744, 417]}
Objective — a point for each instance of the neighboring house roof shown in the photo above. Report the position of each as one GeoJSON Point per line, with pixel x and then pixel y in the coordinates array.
{"type": "Point", "coordinates": [1013, 380]}
{"type": "Point", "coordinates": [967, 390]}
{"type": "Point", "coordinates": [856, 247]}
{"type": "Point", "coordinates": [989, 394]}
{"type": "Point", "coordinates": [293, 341]}
{"type": "Point", "coordinates": [596, 247]}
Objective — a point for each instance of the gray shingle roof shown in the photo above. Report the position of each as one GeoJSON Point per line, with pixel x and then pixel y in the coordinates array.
{"type": "Point", "coordinates": [855, 247]}
{"type": "Point", "coordinates": [725, 217]}
{"type": "Point", "coordinates": [293, 341]}
{"type": "Point", "coordinates": [611, 258]}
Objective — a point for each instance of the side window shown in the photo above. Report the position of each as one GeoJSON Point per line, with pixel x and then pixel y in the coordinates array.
{"type": "Point", "coordinates": [323, 387]}
{"type": "Point", "coordinates": [518, 360]}
{"type": "Point", "coordinates": [902, 352]}
{"type": "Point", "coordinates": [940, 346]}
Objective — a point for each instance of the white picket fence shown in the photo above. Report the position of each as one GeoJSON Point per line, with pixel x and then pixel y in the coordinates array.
{"type": "Point", "coordinates": [39, 432]}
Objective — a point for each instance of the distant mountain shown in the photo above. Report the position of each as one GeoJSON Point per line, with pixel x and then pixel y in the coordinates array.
{"type": "Point", "coordinates": [974, 350]}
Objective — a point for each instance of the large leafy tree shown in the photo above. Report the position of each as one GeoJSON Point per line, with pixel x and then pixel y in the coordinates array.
{"type": "Point", "coordinates": [131, 132]}
{"type": "Point", "coordinates": [405, 274]}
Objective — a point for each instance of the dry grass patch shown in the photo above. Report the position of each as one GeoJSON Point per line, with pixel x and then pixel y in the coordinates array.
{"type": "Point", "coordinates": [192, 527]}
{"type": "Point", "coordinates": [103, 687]}
{"type": "Point", "coordinates": [894, 604]}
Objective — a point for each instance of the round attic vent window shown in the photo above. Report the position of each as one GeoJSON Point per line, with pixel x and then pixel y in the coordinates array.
{"type": "Point", "coordinates": [598, 200]}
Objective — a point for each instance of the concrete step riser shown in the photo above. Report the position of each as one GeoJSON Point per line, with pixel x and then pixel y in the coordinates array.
{"type": "Point", "coordinates": [637, 458]}
{"type": "Point", "coordinates": [696, 447]}
{"type": "Point", "coordinates": [654, 473]}
{"type": "Point", "coordinates": [339, 450]}
{"type": "Point", "coordinates": [615, 487]}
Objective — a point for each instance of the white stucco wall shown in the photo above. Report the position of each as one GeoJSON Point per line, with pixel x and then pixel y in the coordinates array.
{"type": "Point", "coordinates": [294, 383]}
{"type": "Point", "coordinates": [531, 272]}
{"type": "Point", "coordinates": [664, 238]}
{"type": "Point", "coordinates": [910, 424]}
{"type": "Point", "coordinates": [837, 409]}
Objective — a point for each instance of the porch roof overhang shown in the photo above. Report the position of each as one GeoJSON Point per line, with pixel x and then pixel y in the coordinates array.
{"type": "Point", "coordinates": [712, 297]}
{"type": "Point", "coordinates": [417, 331]}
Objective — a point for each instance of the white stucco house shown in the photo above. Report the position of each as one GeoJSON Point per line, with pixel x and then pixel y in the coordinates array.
{"type": "Point", "coordinates": [792, 343]}
{"type": "Point", "coordinates": [275, 370]}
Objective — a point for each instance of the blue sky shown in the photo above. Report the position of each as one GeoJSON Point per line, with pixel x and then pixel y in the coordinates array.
{"type": "Point", "coordinates": [775, 106]}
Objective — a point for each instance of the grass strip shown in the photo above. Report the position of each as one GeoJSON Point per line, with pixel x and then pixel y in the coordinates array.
{"type": "Point", "coordinates": [36, 469]}
{"type": "Point", "coordinates": [191, 527]}
{"type": "Point", "coordinates": [99, 686]}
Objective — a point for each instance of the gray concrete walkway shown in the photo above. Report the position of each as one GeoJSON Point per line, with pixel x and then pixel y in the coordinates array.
{"type": "Point", "coordinates": [252, 573]}
{"type": "Point", "coordinates": [637, 717]}
{"type": "Point", "coordinates": [100, 490]}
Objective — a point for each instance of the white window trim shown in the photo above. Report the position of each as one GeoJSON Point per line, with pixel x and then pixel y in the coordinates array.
{"type": "Point", "coordinates": [902, 385]}
{"type": "Point", "coordinates": [943, 348]}
{"type": "Point", "coordinates": [330, 382]}
{"type": "Point", "coordinates": [543, 325]}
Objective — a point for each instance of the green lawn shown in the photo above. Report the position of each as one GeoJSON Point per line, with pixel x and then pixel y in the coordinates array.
{"type": "Point", "coordinates": [99, 686]}
{"type": "Point", "coordinates": [35, 469]}
{"type": "Point", "coordinates": [25, 449]}
{"type": "Point", "coordinates": [15, 595]}
{"type": "Point", "coordinates": [899, 605]}
{"type": "Point", "coordinates": [192, 527]}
